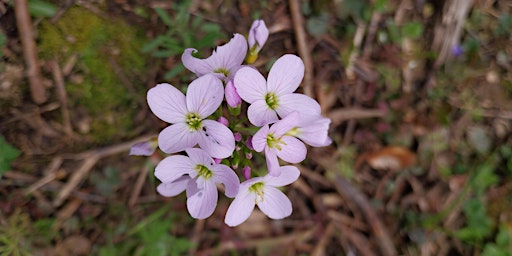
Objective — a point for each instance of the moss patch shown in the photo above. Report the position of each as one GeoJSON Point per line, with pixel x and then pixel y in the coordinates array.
{"type": "Point", "coordinates": [110, 64]}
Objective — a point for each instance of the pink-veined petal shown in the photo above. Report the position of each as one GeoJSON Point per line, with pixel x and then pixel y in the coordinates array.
{"type": "Point", "coordinates": [284, 125]}
{"type": "Point", "coordinates": [272, 162]}
{"type": "Point", "coordinates": [173, 167]}
{"type": "Point", "coordinates": [198, 66]}
{"type": "Point", "coordinates": [192, 187]}
{"type": "Point", "coordinates": [225, 175]}
{"type": "Point", "coordinates": [275, 204]}
{"type": "Point", "coordinates": [232, 54]}
{"type": "Point", "coordinates": [173, 188]}
{"type": "Point", "coordinates": [250, 84]}
{"type": "Point", "coordinates": [240, 209]}
{"type": "Point", "coordinates": [259, 140]}
{"type": "Point", "coordinates": [177, 137]}
{"type": "Point", "coordinates": [167, 103]}
{"type": "Point", "coordinates": [297, 102]}
{"type": "Point", "coordinates": [216, 139]}
{"type": "Point", "coordinates": [292, 150]}
{"type": "Point", "coordinates": [288, 175]}
{"type": "Point", "coordinates": [204, 95]}
{"type": "Point", "coordinates": [314, 131]}
{"type": "Point", "coordinates": [260, 114]}
{"type": "Point", "coordinates": [199, 156]}
{"type": "Point", "coordinates": [285, 75]}
{"type": "Point", "coordinates": [202, 204]}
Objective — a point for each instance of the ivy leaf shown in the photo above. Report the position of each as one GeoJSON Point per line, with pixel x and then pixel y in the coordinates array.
{"type": "Point", "coordinates": [7, 154]}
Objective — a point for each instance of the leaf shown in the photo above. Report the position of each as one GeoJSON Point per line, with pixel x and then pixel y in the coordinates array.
{"type": "Point", "coordinates": [412, 30]}
{"type": "Point", "coordinates": [164, 16]}
{"type": "Point", "coordinates": [39, 8]}
{"type": "Point", "coordinates": [7, 154]}
{"type": "Point", "coordinates": [479, 139]}
{"type": "Point", "coordinates": [317, 25]}
{"type": "Point", "coordinates": [391, 158]}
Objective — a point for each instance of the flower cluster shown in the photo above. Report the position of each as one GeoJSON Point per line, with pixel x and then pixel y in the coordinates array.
{"type": "Point", "coordinates": [207, 141]}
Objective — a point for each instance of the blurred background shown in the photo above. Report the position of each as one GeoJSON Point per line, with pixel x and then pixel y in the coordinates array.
{"type": "Point", "coordinates": [419, 93]}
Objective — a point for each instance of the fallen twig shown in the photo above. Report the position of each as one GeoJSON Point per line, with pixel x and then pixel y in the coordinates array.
{"type": "Point", "coordinates": [90, 158]}
{"type": "Point", "coordinates": [339, 115]}
{"type": "Point", "coordinates": [382, 236]}
{"type": "Point", "coordinates": [304, 52]}
{"type": "Point", "coordinates": [61, 92]}
{"type": "Point", "coordinates": [297, 237]}
{"type": "Point", "coordinates": [24, 23]}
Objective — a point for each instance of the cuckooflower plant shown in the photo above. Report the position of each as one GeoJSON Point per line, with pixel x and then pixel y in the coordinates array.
{"type": "Point", "coordinates": [187, 116]}
{"type": "Point", "coordinates": [263, 192]}
{"type": "Point", "coordinates": [274, 98]}
{"type": "Point", "coordinates": [198, 174]}
{"type": "Point", "coordinates": [278, 122]}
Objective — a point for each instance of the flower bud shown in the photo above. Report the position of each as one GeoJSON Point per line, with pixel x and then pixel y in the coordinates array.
{"type": "Point", "coordinates": [247, 172]}
{"type": "Point", "coordinates": [258, 35]}
{"type": "Point", "coordinates": [223, 121]}
{"type": "Point", "coordinates": [238, 136]}
{"type": "Point", "coordinates": [232, 97]}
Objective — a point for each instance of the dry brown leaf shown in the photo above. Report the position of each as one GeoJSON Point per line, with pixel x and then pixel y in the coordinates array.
{"type": "Point", "coordinates": [390, 158]}
{"type": "Point", "coordinates": [73, 245]}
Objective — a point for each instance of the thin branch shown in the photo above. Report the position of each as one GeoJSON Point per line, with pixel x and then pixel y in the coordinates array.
{"type": "Point", "coordinates": [382, 236]}
{"type": "Point", "coordinates": [26, 33]}
{"type": "Point", "coordinates": [304, 52]}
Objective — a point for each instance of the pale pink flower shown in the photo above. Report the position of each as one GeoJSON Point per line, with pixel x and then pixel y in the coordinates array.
{"type": "Point", "coordinates": [276, 143]}
{"type": "Point", "coordinates": [187, 116]}
{"type": "Point", "coordinates": [223, 63]}
{"type": "Point", "coordinates": [199, 175]}
{"type": "Point", "coordinates": [312, 130]}
{"type": "Point", "coordinates": [274, 98]}
{"type": "Point", "coordinates": [264, 192]}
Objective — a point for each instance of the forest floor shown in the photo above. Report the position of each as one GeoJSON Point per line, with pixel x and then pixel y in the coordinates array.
{"type": "Point", "coordinates": [419, 94]}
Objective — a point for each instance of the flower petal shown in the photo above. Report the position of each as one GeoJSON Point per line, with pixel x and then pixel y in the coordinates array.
{"type": "Point", "coordinates": [259, 140]}
{"type": "Point", "coordinates": [314, 131]}
{"type": "Point", "coordinates": [198, 66]}
{"type": "Point", "coordinates": [172, 168]}
{"type": "Point", "coordinates": [167, 103]}
{"type": "Point", "coordinates": [285, 75]}
{"type": "Point", "coordinates": [272, 162]}
{"type": "Point", "coordinates": [173, 188]}
{"type": "Point", "coordinates": [216, 139]}
{"type": "Point", "coordinates": [250, 84]}
{"type": "Point", "coordinates": [225, 175]}
{"type": "Point", "coordinates": [284, 125]}
{"type": "Point", "coordinates": [275, 204]}
{"type": "Point", "coordinates": [260, 114]}
{"type": "Point", "coordinates": [204, 95]}
{"type": "Point", "coordinates": [232, 54]}
{"type": "Point", "coordinates": [292, 150]}
{"type": "Point", "coordinates": [288, 175]}
{"type": "Point", "coordinates": [144, 148]}
{"type": "Point", "coordinates": [240, 209]}
{"type": "Point", "coordinates": [199, 156]}
{"type": "Point", "coordinates": [177, 137]}
{"type": "Point", "coordinates": [202, 204]}
{"type": "Point", "coordinates": [297, 102]}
